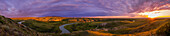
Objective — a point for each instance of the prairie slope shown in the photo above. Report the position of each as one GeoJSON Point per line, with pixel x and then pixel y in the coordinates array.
{"type": "Point", "coordinates": [158, 27]}
{"type": "Point", "coordinates": [10, 28]}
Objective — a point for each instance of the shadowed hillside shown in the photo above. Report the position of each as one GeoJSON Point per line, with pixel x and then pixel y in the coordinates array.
{"type": "Point", "coordinates": [10, 28]}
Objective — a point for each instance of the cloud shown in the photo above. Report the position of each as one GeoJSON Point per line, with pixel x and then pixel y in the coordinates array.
{"type": "Point", "coordinates": [39, 8]}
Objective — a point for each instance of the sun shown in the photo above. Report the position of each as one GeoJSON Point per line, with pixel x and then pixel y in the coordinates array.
{"type": "Point", "coordinates": [152, 14]}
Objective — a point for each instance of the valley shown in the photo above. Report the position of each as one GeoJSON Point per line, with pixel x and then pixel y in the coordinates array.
{"type": "Point", "coordinates": [84, 17]}
{"type": "Point", "coordinates": [99, 26]}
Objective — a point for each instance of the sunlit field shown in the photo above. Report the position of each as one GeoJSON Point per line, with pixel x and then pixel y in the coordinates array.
{"type": "Point", "coordinates": [102, 27]}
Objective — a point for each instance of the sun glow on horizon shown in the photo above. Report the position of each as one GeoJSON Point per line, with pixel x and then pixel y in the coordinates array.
{"type": "Point", "coordinates": [155, 14]}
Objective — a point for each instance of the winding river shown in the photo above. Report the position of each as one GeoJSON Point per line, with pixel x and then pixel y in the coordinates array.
{"type": "Point", "coordinates": [61, 27]}
{"type": "Point", "coordinates": [65, 30]}
{"type": "Point", "coordinates": [23, 25]}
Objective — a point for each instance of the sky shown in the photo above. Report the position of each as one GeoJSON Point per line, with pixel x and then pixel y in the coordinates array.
{"type": "Point", "coordinates": [80, 8]}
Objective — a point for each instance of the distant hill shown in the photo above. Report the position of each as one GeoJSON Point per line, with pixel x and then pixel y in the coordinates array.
{"type": "Point", "coordinates": [56, 18]}
{"type": "Point", "coordinates": [52, 16]}
{"type": "Point", "coordinates": [49, 18]}
{"type": "Point", "coordinates": [10, 28]}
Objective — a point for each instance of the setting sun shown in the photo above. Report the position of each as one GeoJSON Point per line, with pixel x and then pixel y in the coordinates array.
{"type": "Point", "coordinates": [150, 14]}
{"type": "Point", "coordinates": [154, 14]}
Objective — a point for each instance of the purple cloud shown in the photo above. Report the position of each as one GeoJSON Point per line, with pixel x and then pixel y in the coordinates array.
{"type": "Point", "coordinates": [40, 8]}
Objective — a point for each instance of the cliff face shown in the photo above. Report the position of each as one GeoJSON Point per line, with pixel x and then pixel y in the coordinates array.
{"type": "Point", "coordinates": [10, 28]}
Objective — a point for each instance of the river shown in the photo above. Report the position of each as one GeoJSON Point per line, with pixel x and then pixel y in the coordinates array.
{"type": "Point", "coordinates": [65, 30]}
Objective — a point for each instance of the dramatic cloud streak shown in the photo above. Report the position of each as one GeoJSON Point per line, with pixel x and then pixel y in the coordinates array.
{"type": "Point", "coordinates": [72, 8]}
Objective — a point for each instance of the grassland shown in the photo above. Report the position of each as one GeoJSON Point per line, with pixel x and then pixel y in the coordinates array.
{"type": "Point", "coordinates": [107, 23]}
{"type": "Point", "coordinates": [44, 27]}
{"type": "Point", "coordinates": [83, 26]}
{"type": "Point", "coordinates": [50, 26]}
{"type": "Point", "coordinates": [98, 27]}
{"type": "Point", "coordinates": [144, 27]}
{"type": "Point", "coordinates": [9, 28]}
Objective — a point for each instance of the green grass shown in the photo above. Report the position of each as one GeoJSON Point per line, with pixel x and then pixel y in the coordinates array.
{"type": "Point", "coordinates": [164, 30]}
{"type": "Point", "coordinates": [48, 27]}
{"type": "Point", "coordinates": [114, 24]}
{"type": "Point", "coordinates": [136, 28]}
{"type": "Point", "coordinates": [44, 27]}
{"type": "Point", "coordinates": [93, 25]}
{"type": "Point", "coordinates": [83, 26]}
{"type": "Point", "coordinates": [140, 25]}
